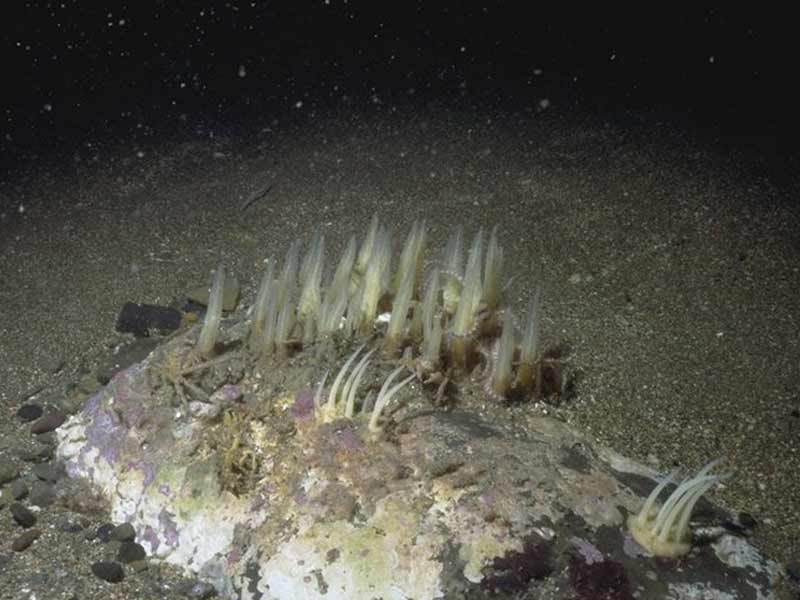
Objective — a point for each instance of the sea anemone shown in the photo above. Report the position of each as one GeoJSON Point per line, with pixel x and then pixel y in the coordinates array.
{"type": "Point", "coordinates": [664, 531]}
{"type": "Point", "coordinates": [341, 404]}
{"type": "Point", "coordinates": [385, 395]}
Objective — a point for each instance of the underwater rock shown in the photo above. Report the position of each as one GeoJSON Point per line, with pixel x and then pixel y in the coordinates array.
{"type": "Point", "coordinates": [141, 319]}
{"type": "Point", "coordinates": [267, 502]}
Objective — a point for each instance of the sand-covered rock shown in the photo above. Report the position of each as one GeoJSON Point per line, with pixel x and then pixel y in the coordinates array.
{"type": "Point", "coordinates": [264, 500]}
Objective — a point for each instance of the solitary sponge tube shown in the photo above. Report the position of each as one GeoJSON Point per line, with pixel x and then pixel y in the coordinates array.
{"type": "Point", "coordinates": [664, 531]}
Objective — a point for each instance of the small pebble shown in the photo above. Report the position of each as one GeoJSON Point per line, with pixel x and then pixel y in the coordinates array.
{"type": "Point", "coordinates": [49, 438]}
{"type": "Point", "coordinates": [230, 294]}
{"type": "Point", "coordinates": [104, 532]}
{"type": "Point", "coordinates": [39, 454]}
{"type": "Point", "coordinates": [29, 412]}
{"type": "Point", "coordinates": [140, 319]}
{"type": "Point", "coordinates": [46, 472]}
{"type": "Point", "coordinates": [8, 472]}
{"type": "Point", "coordinates": [25, 539]}
{"type": "Point", "coordinates": [130, 552]}
{"type": "Point", "coordinates": [108, 571]}
{"type": "Point", "coordinates": [139, 565]}
{"type": "Point", "coordinates": [123, 533]}
{"type": "Point", "coordinates": [50, 421]}
{"type": "Point", "coordinates": [42, 494]}
{"type": "Point", "coordinates": [19, 489]}
{"type": "Point", "coordinates": [22, 515]}
{"type": "Point", "coordinates": [747, 520]}
{"type": "Point", "coordinates": [30, 456]}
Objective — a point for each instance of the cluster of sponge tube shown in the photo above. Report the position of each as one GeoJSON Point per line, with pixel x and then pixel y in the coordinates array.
{"type": "Point", "coordinates": [445, 323]}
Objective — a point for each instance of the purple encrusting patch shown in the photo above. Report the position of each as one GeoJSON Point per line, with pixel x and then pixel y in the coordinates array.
{"type": "Point", "coordinates": [633, 548]}
{"type": "Point", "coordinates": [147, 469]}
{"type": "Point", "coordinates": [106, 430]}
{"type": "Point", "coordinates": [165, 490]}
{"type": "Point", "coordinates": [234, 556]}
{"type": "Point", "coordinates": [129, 401]}
{"type": "Point", "coordinates": [349, 439]}
{"type": "Point", "coordinates": [588, 551]}
{"type": "Point", "coordinates": [134, 413]}
{"type": "Point", "coordinates": [92, 404]}
{"type": "Point", "coordinates": [151, 537]}
{"type": "Point", "coordinates": [169, 527]}
{"type": "Point", "coordinates": [106, 433]}
{"type": "Point", "coordinates": [303, 407]}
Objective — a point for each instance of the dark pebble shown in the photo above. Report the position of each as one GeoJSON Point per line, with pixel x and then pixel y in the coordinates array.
{"type": "Point", "coordinates": [139, 319]}
{"type": "Point", "coordinates": [22, 515]}
{"type": "Point", "coordinates": [19, 489]}
{"type": "Point", "coordinates": [793, 570]}
{"type": "Point", "coordinates": [108, 571]}
{"type": "Point", "coordinates": [29, 412]}
{"type": "Point", "coordinates": [104, 532]}
{"type": "Point", "coordinates": [139, 566]}
{"type": "Point", "coordinates": [8, 472]}
{"type": "Point", "coordinates": [39, 454]}
{"type": "Point", "coordinates": [123, 533]}
{"type": "Point", "coordinates": [47, 472]}
{"type": "Point", "coordinates": [130, 552]}
{"type": "Point", "coordinates": [25, 539]}
{"type": "Point", "coordinates": [49, 438]}
{"type": "Point", "coordinates": [50, 421]}
{"type": "Point", "coordinates": [42, 494]}
{"type": "Point", "coordinates": [747, 520]}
